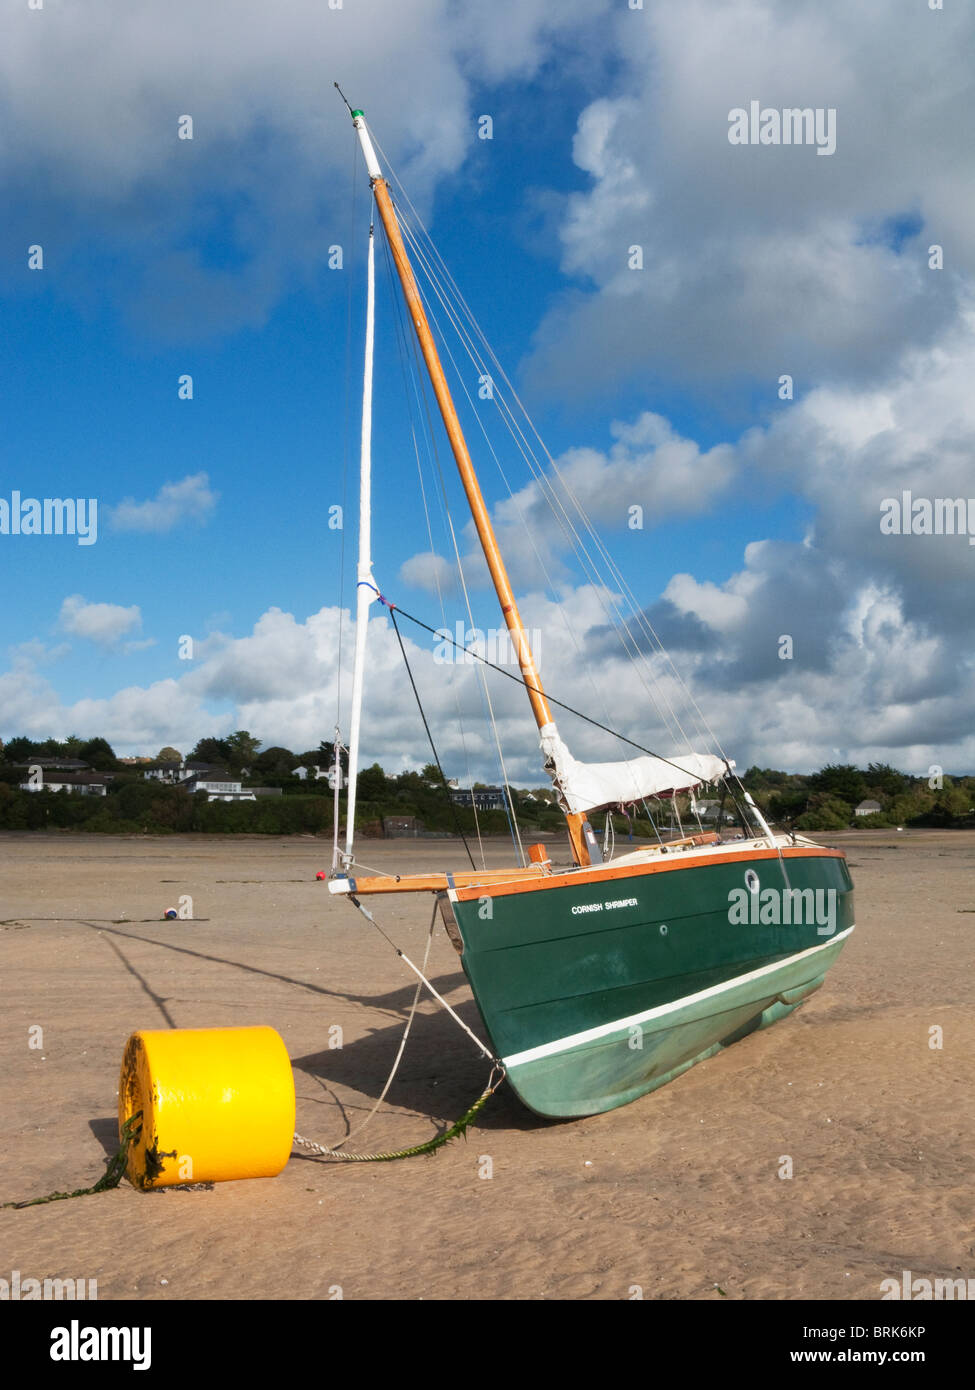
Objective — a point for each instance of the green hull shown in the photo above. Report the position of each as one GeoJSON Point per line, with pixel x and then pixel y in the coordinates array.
{"type": "Point", "coordinates": [594, 993]}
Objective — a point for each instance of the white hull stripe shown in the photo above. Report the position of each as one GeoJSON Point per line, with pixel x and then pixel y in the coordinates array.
{"type": "Point", "coordinates": [533, 1054]}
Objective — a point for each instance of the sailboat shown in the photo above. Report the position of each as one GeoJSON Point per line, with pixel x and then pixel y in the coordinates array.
{"type": "Point", "coordinates": [601, 980]}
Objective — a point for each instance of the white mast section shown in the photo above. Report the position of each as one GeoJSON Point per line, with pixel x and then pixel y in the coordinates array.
{"type": "Point", "coordinates": [335, 776]}
{"type": "Point", "coordinates": [365, 586]}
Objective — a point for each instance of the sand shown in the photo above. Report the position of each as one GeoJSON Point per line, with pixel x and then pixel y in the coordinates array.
{"type": "Point", "coordinates": [676, 1196]}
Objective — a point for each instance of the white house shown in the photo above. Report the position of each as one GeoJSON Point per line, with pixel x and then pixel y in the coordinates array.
{"type": "Point", "coordinates": [175, 774]}
{"type": "Point", "coordinates": [484, 798]}
{"type": "Point", "coordinates": [78, 783]}
{"type": "Point", "coordinates": [868, 808]}
{"type": "Point", "coordinates": [216, 783]}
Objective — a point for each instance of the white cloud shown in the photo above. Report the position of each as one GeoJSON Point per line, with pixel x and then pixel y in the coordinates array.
{"type": "Point", "coordinates": [883, 686]}
{"type": "Point", "coordinates": [648, 475]}
{"type": "Point", "coordinates": [720, 609]}
{"type": "Point", "coordinates": [188, 502]}
{"type": "Point", "coordinates": [432, 573]}
{"type": "Point", "coordinates": [757, 261]}
{"type": "Point", "coordinates": [102, 623]}
{"type": "Point", "coordinates": [764, 260]}
{"type": "Point", "coordinates": [881, 668]}
{"type": "Point", "coordinates": [92, 101]}
{"type": "Point", "coordinates": [846, 449]}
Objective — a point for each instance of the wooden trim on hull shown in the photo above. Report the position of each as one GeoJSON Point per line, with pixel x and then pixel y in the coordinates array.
{"type": "Point", "coordinates": [606, 873]}
{"type": "Point", "coordinates": [433, 883]}
{"type": "Point", "coordinates": [465, 885]}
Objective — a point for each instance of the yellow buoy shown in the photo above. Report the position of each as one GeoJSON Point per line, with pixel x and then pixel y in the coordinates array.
{"type": "Point", "coordinates": [217, 1104]}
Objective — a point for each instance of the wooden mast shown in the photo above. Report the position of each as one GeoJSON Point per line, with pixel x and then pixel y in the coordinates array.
{"type": "Point", "coordinates": [577, 823]}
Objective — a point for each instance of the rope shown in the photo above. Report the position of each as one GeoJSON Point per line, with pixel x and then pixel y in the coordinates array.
{"type": "Point", "coordinates": [460, 1126]}
{"type": "Point", "coordinates": [433, 457]}
{"type": "Point", "coordinates": [399, 1054]}
{"type": "Point", "coordinates": [418, 374]}
{"type": "Point", "coordinates": [517, 435]}
{"type": "Point", "coordinates": [111, 1177]}
{"type": "Point", "coordinates": [521, 681]}
{"type": "Point", "coordinates": [548, 490]}
{"type": "Point", "coordinates": [509, 804]}
{"type": "Point", "coordinates": [458, 309]}
{"type": "Point", "coordinates": [433, 747]}
{"type": "Point", "coordinates": [439, 997]}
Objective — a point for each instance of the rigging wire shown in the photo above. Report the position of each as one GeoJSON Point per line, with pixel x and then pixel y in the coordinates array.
{"type": "Point", "coordinates": [589, 567]}
{"type": "Point", "coordinates": [478, 364]}
{"type": "Point", "coordinates": [433, 747]}
{"type": "Point", "coordinates": [638, 613]}
{"type": "Point", "coordinates": [410, 379]}
{"type": "Point", "coordinates": [639, 616]}
{"type": "Point", "coordinates": [418, 374]}
{"type": "Point", "coordinates": [551, 698]}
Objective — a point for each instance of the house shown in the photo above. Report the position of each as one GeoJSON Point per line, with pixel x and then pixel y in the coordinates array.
{"type": "Point", "coordinates": [220, 785]}
{"type": "Point", "coordinates": [868, 808]}
{"type": "Point", "coordinates": [163, 772]}
{"type": "Point", "coordinates": [244, 794]}
{"type": "Point", "coordinates": [57, 764]}
{"type": "Point", "coordinates": [217, 783]}
{"type": "Point", "coordinates": [483, 798]}
{"type": "Point", "coordinates": [78, 783]}
{"type": "Point", "coordinates": [175, 774]}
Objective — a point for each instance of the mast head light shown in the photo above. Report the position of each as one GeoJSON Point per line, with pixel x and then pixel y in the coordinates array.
{"type": "Point", "coordinates": [357, 113]}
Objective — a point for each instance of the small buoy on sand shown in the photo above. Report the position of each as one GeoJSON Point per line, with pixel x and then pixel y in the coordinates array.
{"type": "Point", "coordinates": [170, 914]}
{"type": "Point", "coordinates": [217, 1104]}
{"type": "Point", "coordinates": [321, 874]}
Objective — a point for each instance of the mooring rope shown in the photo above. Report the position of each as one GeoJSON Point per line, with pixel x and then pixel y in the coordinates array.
{"type": "Point", "coordinates": [112, 1175]}
{"type": "Point", "coordinates": [402, 1045]}
{"type": "Point", "coordinates": [420, 975]}
{"type": "Point", "coordinates": [459, 1126]}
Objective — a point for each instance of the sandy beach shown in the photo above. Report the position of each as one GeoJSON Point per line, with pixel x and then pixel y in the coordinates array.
{"type": "Point", "coordinates": [677, 1195]}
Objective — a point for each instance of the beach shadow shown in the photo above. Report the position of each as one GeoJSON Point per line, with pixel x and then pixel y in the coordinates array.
{"type": "Point", "coordinates": [147, 989]}
{"type": "Point", "coordinates": [395, 1001]}
{"type": "Point", "coordinates": [440, 1076]}
{"type": "Point", "coordinates": [105, 1131]}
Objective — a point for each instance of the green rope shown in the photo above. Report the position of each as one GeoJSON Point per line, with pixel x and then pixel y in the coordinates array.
{"type": "Point", "coordinates": [459, 1128]}
{"type": "Point", "coordinates": [111, 1177]}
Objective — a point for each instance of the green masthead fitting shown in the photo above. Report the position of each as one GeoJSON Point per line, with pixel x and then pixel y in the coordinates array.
{"type": "Point", "coordinates": [357, 113]}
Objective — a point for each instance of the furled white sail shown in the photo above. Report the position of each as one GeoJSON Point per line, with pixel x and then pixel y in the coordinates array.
{"type": "Point", "coordinates": [597, 786]}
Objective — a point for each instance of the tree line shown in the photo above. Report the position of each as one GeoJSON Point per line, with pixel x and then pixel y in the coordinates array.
{"type": "Point", "coordinates": [819, 801]}
{"type": "Point", "coordinates": [828, 799]}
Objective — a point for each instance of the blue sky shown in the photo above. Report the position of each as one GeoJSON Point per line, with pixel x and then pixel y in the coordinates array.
{"type": "Point", "coordinates": [658, 387]}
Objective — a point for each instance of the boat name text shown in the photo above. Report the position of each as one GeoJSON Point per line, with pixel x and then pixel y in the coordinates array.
{"type": "Point", "coordinates": [599, 907]}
